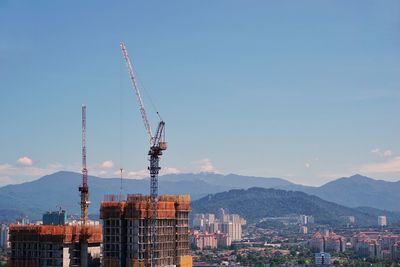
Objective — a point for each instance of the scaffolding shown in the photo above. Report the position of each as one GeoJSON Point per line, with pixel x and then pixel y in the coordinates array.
{"type": "Point", "coordinates": [127, 230]}
{"type": "Point", "coordinates": [50, 245]}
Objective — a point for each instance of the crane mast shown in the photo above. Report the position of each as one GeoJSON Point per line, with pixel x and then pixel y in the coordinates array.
{"type": "Point", "coordinates": [157, 145]}
{"type": "Point", "coordinates": [84, 188]}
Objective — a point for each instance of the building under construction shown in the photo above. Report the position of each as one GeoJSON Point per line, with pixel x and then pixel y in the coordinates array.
{"type": "Point", "coordinates": [53, 245]}
{"type": "Point", "coordinates": [127, 231]}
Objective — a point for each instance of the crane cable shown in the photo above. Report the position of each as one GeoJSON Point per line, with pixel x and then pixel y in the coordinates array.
{"type": "Point", "coordinates": [147, 94]}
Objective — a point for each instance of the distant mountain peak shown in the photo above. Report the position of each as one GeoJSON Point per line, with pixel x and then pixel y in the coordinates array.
{"type": "Point", "coordinates": [361, 177]}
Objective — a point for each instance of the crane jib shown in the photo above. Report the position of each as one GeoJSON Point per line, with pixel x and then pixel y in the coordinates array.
{"type": "Point", "coordinates": [137, 91]}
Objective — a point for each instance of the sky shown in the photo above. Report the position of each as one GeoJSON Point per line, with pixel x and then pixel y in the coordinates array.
{"type": "Point", "coordinates": [306, 90]}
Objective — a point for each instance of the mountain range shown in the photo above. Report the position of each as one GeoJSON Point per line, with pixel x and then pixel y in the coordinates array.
{"type": "Point", "coordinates": [61, 189]}
{"type": "Point", "coordinates": [257, 203]}
{"type": "Point", "coordinates": [353, 191]}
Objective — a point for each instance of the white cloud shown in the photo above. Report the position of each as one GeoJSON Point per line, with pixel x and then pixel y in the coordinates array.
{"type": "Point", "coordinates": [206, 166]}
{"type": "Point", "coordinates": [375, 151]}
{"type": "Point", "coordinates": [17, 170]}
{"type": "Point", "coordinates": [389, 166]}
{"type": "Point", "coordinates": [381, 153]}
{"type": "Point", "coordinates": [24, 161]}
{"type": "Point", "coordinates": [387, 153]}
{"type": "Point", "coordinates": [19, 173]}
{"type": "Point", "coordinates": [118, 172]}
{"type": "Point", "coordinates": [307, 165]}
{"type": "Point", "coordinates": [108, 164]}
{"type": "Point", "coordinates": [169, 170]}
{"type": "Point", "coordinates": [5, 167]}
{"type": "Point", "coordinates": [22, 173]}
{"type": "Point", "coordinates": [138, 174]}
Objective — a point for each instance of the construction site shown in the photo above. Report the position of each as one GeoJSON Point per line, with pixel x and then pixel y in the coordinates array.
{"type": "Point", "coordinates": [54, 245]}
{"type": "Point", "coordinates": [127, 231]}
{"type": "Point", "coordinates": [57, 243]}
{"type": "Point", "coordinates": [141, 230]}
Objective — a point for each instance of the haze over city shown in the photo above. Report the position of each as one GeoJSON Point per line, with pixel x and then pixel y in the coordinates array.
{"type": "Point", "coordinates": [307, 91]}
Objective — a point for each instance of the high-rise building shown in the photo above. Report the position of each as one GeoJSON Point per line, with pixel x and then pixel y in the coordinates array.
{"type": "Point", "coordinates": [55, 218]}
{"type": "Point", "coordinates": [303, 229]}
{"type": "Point", "coordinates": [234, 230]}
{"type": "Point", "coordinates": [303, 219]}
{"type": "Point", "coordinates": [223, 216]}
{"type": "Point", "coordinates": [234, 218]}
{"type": "Point", "coordinates": [203, 220]}
{"type": "Point", "coordinates": [317, 243]}
{"type": "Point", "coordinates": [198, 220]}
{"type": "Point", "coordinates": [382, 221]}
{"type": "Point", "coordinates": [223, 240]}
{"type": "Point", "coordinates": [225, 223]}
{"type": "Point", "coordinates": [306, 219]}
{"type": "Point", "coordinates": [209, 218]}
{"type": "Point", "coordinates": [211, 228]}
{"type": "Point", "coordinates": [53, 245]}
{"type": "Point", "coordinates": [127, 231]}
{"type": "Point", "coordinates": [4, 240]}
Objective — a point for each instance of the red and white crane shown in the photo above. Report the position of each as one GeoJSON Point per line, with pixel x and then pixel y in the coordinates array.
{"type": "Point", "coordinates": [84, 188]}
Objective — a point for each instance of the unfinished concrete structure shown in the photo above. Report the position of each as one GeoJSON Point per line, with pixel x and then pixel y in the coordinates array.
{"type": "Point", "coordinates": [127, 231]}
{"type": "Point", "coordinates": [53, 245]}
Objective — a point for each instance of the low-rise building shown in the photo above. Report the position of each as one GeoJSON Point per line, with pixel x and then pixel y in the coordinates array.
{"type": "Point", "coordinates": [335, 243]}
{"type": "Point", "coordinates": [328, 242]}
{"type": "Point", "coordinates": [204, 240]}
{"type": "Point", "coordinates": [375, 244]}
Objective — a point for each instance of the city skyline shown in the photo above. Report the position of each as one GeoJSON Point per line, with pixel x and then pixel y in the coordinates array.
{"type": "Point", "coordinates": [244, 89]}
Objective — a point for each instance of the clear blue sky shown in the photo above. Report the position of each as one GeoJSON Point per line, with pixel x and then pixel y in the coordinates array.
{"type": "Point", "coordinates": [304, 90]}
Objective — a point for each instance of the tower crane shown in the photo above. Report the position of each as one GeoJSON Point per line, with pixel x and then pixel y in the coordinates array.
{"type": "Point", "coordinates": [84, 189]}
{"type": "Point", "coordinates": [157, 146]}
